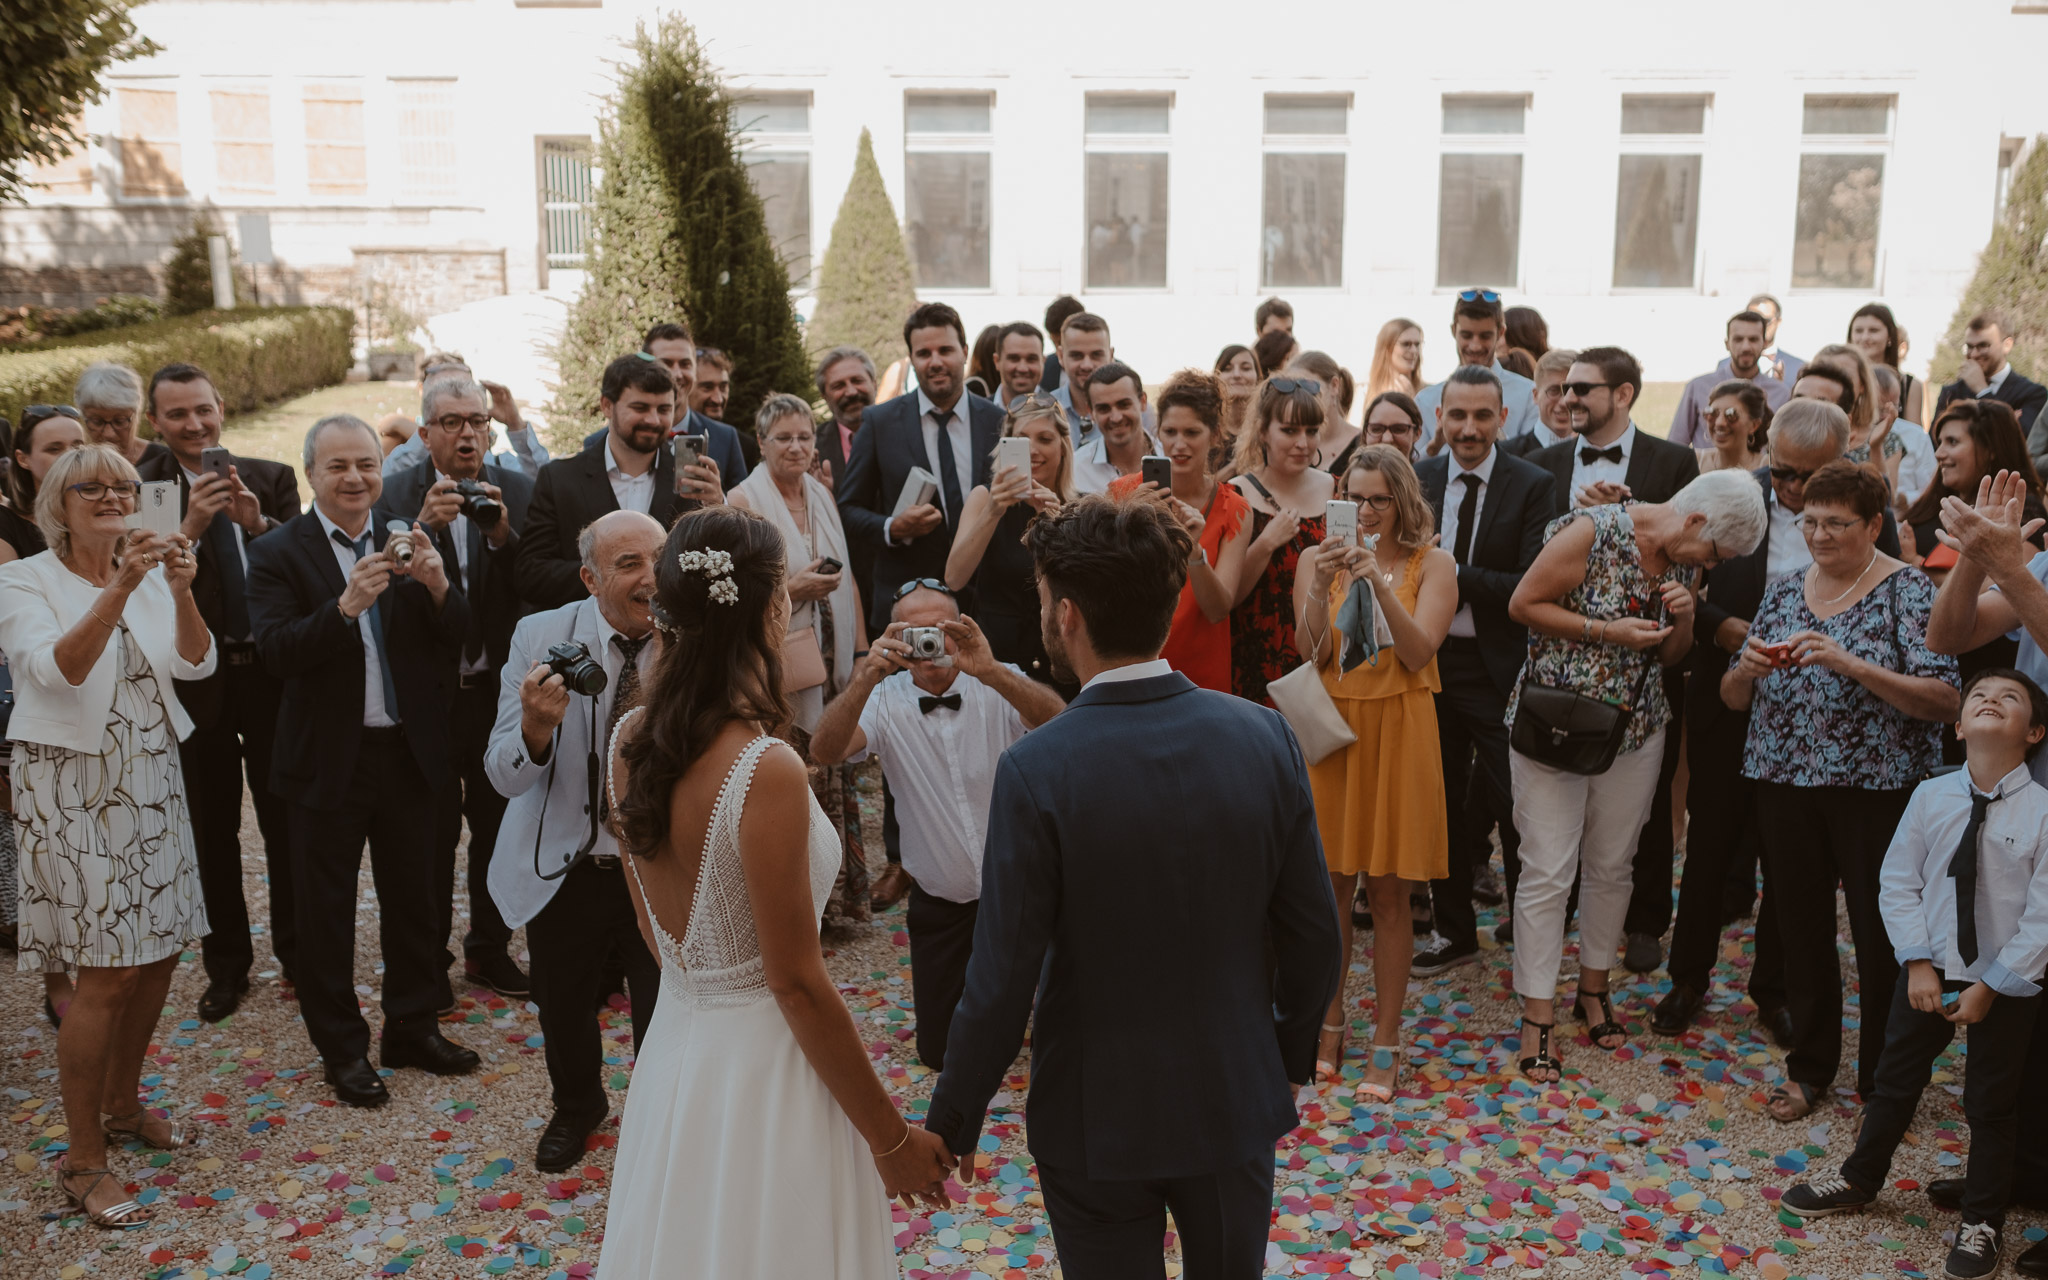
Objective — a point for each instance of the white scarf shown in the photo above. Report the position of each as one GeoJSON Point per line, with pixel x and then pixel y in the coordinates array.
{"type": "Point", "coordinates": [829, 539]}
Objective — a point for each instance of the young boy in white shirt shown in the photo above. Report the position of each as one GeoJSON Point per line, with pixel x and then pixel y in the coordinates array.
{"type": "Point", "coordinates": [1964, 892]}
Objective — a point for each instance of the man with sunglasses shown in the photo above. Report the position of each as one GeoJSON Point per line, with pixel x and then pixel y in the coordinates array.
{"type": "Point", "coordinates": [524, 451]}
{"type": "Point", "coordinates": [1745, 342]}
{"type": "Point", "coordinates": [940, 725]}
{"type": "Point", "coordinates": [1477, 324]}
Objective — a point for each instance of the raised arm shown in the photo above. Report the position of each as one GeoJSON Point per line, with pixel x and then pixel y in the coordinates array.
{"type": "Point", "coordinates": [979, 517]}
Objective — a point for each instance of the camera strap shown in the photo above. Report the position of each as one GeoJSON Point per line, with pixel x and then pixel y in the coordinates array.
{"type": "Point", "coordinates": [594, 772]}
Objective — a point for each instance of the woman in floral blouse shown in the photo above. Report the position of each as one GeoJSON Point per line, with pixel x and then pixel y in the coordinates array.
{"type": "Point", "coordinates": [1846, 707]}
{"type": "Point", "coordinates": [1607, 600]}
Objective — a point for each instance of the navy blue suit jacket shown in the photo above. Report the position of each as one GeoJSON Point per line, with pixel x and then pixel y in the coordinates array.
{"type": "Point", "coordinates": [1152, 875]}
{"type": "Point", "coordinates": [721, 441]}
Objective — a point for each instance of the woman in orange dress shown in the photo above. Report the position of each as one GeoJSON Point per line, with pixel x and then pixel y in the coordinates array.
{"type": "Point", "coordinates": [1217, 516]}
{"type": "Point", "coordinates": [1380, 801]}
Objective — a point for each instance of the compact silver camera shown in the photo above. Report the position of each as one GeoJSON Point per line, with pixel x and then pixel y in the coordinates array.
{"type": "Point", "coordinates": [927, 644]}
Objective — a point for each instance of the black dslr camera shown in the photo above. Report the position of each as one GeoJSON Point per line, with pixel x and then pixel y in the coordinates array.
{"type": "Point", "coordinates": [480, 506]}
{"type": "Point", "coordinates": [581, 672]}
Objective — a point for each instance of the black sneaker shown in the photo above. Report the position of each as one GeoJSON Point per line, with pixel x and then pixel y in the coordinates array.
{"type": "Point", "coordinates": [1975, 1254]}
{"type": "Point", "coordinates": [1826, 1197]}
{"type": "Point", "coordinates": [1440, 956]}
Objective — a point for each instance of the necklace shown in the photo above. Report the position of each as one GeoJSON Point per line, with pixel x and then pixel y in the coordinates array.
{"type": "Point", "coordinates": [1852, 586]}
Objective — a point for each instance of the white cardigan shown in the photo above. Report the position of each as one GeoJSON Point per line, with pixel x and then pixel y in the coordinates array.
{"type": "Point", "coordinates": [40, 600]}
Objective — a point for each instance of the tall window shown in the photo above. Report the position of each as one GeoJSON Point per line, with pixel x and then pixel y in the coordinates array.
{"type": "Point", "coordinates": [1301, 243]}
{"type": "Point", "coordinates": [243, 160]}
{"type": "Point", "coordinates": [777, 131]}
{"type": "Point", "coordinates": [152, 159]}
{"type": "Point", "coordinates": [427, 170]}
{"type": "Point", "coordinates": [564, 200]}
{"type": "Point", "coordinates": [1479, 190]}
{"type": "Point", "coordinates": [946, 138]}
{"type": "Point", "coordinates": [336, 162]}
{"type": "Point", "coordinates": [69, 174]}
{"type": "Point", "coordinates": [1127, 192]}
{"type": "Point", "coordinates": [1657, 200]}
{"type": "Point", "coordinates": [1843, 143]}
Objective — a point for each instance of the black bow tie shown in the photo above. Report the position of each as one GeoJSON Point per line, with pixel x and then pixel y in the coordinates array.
{"type": "Point", "coordinates": [1589, 455]}
{"type": "Point", "coordinates": [927, 705]}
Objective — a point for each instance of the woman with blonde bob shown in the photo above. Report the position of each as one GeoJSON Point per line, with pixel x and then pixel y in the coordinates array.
{"type": "Point", "coordinates": [109, 878]}
{"type": "Point", "coordinates": [988, 548]}
{"type": "Point", "coordinates": [1380, 801]}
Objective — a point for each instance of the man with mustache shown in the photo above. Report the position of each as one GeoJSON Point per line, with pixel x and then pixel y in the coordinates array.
{"type": "Point", "coordinates": [846, 383]}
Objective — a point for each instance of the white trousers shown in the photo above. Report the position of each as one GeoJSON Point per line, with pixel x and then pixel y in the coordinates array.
{"type": "Point", "coordinates": [1573, 825]}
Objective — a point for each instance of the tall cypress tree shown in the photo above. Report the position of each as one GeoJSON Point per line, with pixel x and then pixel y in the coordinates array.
{"type": "Point", "coordinates": [2012, 275]}
{"type": "Point", "coordinates": [865, 285]}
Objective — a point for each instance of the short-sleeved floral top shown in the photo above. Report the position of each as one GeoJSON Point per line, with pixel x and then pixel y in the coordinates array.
{"type": "Point", "coordinates": [1615, 587]}
{"type": "Point", "coordinates": [1812, 727]}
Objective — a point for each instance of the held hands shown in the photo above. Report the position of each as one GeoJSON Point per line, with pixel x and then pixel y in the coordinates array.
{"type": "Point", "coordinates": [812, 583]}
{"type": "Point", "coordinates": [971, 655]}
{"type": "Point", "coordinates": [1601, 493]}
{"type": "Point", "coordinates": [915, 523]}
{"type": "Point", "coordinates": [915, 1172]}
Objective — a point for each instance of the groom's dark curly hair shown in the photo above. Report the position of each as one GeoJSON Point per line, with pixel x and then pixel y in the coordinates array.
{"type": "Point", "coordinates": [1122, 562]}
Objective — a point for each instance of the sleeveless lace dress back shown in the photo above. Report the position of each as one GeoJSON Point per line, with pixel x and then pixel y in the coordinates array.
{"type": "Point", "coordinates": [734, 1159]}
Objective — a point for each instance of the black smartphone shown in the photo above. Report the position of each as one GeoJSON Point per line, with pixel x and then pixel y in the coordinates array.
{"type": "Point", "coordinates": [1153, 469]}
{"type": "Point", "coordinates": [215, 461]}
{"type": "Point", "coordinates": [829, 565]}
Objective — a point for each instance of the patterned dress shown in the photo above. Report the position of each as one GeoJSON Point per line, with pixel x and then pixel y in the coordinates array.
{"type": "Point", "coordinates": [108, 873]}
{"type": "Point", "coordinates": [1262, 627]}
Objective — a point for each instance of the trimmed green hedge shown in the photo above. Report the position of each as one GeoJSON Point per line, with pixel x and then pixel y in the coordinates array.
{"type": "Point", "coordinates": [255, 357]}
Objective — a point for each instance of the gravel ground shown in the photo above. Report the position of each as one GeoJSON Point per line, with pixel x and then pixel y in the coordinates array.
{"type": "Point", "coordinates": [1654, 1158]}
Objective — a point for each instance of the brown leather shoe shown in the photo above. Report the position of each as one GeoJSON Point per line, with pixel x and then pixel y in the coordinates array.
{"type": "Point", "coordinates": [890, 888]}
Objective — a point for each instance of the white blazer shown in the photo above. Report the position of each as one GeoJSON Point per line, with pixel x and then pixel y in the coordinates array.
{"type": "Point", "coordinates": [557, 793]}
{"type": "Point", "coordinates": [40, 600]}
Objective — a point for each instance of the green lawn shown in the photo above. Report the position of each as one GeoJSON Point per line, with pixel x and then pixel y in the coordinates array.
{"type": "Point", "coordinates": [277, 433]}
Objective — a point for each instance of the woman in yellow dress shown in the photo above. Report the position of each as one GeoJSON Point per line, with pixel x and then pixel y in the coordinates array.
{"type": "Point", "coordinates": [1380, 801]}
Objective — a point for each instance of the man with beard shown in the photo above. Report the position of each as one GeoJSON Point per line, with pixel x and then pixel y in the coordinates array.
{"type": "Point", "coordinates": [1745, 342]}
{"type": "Point", "coordinates": [1116, 395]}
{"type": "Point", "coordinates": [846, 383]}
{"type": "Point", "coordinates": [672, 347]}
{"type": "Point", "coordinates": [1477, 323]}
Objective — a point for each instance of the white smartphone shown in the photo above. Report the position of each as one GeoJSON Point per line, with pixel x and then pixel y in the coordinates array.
{"type": "Point", "coordinates": [156, 508]}
{"type": "Point", "coordinates": [1013, 453]}
{"type": "Point", "coordinates": [1340, 520]}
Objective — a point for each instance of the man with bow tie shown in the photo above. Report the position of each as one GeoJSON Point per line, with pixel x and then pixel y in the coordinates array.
{"type": "Point", "coordinates": [940, 725]}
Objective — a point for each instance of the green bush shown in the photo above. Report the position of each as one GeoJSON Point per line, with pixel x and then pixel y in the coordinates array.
{"type": "Point", "coordinates": [255, 357]}
{"type": "Point", "coordinates": [2012, 276]}
{"type": "Point", "coordinates": [865, 286]}
{"type": "Point", "coordinates": [121, 310]}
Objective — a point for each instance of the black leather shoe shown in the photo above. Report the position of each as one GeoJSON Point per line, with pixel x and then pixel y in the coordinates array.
{"type": "Point", "coordinates": [1642, 954]}
{"type": "Point", "coordinates": [1675, 1012]}
{"type": "Point", "coordinates": [2034, 1262]}
{"type": "Point", "coordinates": [561, 1143]}
{"type": "Point", "coordinates": [1776, 1020]}
{"type": "Point", "coordinates": [1947, 1193]}
{"type": "Point", "coordinates": [221, 998]}
{"type": "Point", "coordinates": [1486, 887]}
{"type": "Point", "coordinates": [1504, 932]}
{"type": "Point", "coordinates": [495, 970]}
{"type": "Point", "coordinates": [430, 1052]}
{"type": "Point", "coordinates": [356, 1083]}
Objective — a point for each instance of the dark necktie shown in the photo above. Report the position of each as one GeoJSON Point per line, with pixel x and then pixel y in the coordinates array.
{"type": "Point", "coordinates": [471, 570]}
{"type": "Point", "coordinates": [361, 546]}
{"type": "Point", "coordinates": [927, 705]}
{"type": "Point", "coordinates": [628, 691]}
{"type": "Point", "coordinates": [1963, 866]}
{"type": "Point", "coordinates": [1468, 515]}
{"type": "Point", "coordinates": [949, 469]}
{"type": "Point", "coordinates": [1589, 455]}
{"type": "Point", "coordinates": [234, 587]}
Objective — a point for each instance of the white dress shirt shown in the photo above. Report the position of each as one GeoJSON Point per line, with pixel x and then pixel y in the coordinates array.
{"type": "Point", "coordinates": [1788, 552]}
{"type": "Point", "coordinates": [1918, 896]}
{"type": "Point", "coordinates": [635, 493]}
{"type": "Point", "coordinates": [941, 768]}
{"type": "Point", "coordinates": [241, 535]}
{"type": "Point", "coordinates": [959, 436]}
{"type": "Point", "coordinates": [1135, 671]}
{"type": "Point", "coordinates": [1917, 469]}
{"type": "Point", "coordinates": [1995, 381]}
{"type": "Point", "coordinates": [1585, 473]}
{"type": "Point", "coordinates": [375, 714]}
{"type": "Point", "coordinates": [1447, 538]}
{"type": "Point", "coordinates": [1093, 471]}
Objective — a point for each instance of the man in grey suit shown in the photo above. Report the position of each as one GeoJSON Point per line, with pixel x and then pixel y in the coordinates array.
{"type": "Point", "coordinates": [556, 868]}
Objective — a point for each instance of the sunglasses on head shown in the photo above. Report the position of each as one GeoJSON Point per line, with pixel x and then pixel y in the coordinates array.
{"type": "Point", "coordinates": [926, 584]}
{"type": "Point", "coordinates": [36, 413]}
{"type": "Point", "coordinates": [1478, 295]}
{"type": "Point", "coordinates": [1288, 386]}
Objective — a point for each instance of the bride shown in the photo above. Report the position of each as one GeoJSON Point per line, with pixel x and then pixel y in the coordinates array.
{"type": "Point", "coordinates": [757, 1140]}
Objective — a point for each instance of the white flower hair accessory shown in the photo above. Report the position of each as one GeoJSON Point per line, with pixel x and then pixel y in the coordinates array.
{"type": "Point", "coordinates": [717, 566]}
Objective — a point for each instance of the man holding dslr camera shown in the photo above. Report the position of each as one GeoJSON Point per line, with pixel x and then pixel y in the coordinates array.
{"type": "Point", "coordinates": [932, 699]}
{"type": "Point", "coordinates": [570, 674]}
{"type": "Point", "coordinates": [473, 510]}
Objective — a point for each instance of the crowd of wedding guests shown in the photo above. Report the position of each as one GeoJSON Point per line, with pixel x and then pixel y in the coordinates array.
{"type": "Point", "coordinates": [1804, 629]}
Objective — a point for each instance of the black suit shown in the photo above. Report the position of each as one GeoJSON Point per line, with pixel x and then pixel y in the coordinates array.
{"type": "Point", "coordinates": [234, 720]}
{"type": "Point", "coordinates": [492, 590]}
{"type": "Point", "coordinates": [1528, 443]}
{"type": "Point", "coordinates": [2026, 397]}
{"type": "Point", "coordinates": [568, 494]}
{"type": "Point", "coordinates": [859, 548]}
{"type": "Point", "coordinates": [347, 782]}
{"type": "Point", "coordinates": [890, 442]}
{"type": "Point", "coordinates": [1478, 673]}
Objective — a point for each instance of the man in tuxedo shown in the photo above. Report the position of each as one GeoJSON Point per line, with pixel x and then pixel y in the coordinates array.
{"type": "Point", "coordinates": [1553, 424]}
{"type": "Point", "coordinates": [1722, 836]}
{"type": "Point", "coordinates": [366, 643]}
{"type": "Point", "coordinates": [483, 552]}
{"type": "Point", "coordinates": [1987, 374]}
{"type": "Point", "coordinates": [1491, 509]}
{"type": "Point", "coordinates": [1613, 460]}
{"type": "Point", "coordinates": [1782, 365]}
{"type": "Point", "coordinates": [671, 347]}
{"type": "Point", "coordinates": [1745, 342]}
{"type": "Point", "coordinates": [580, 923]}
{"type": "Point", "coordinates": [1477, 325]}
{"type": "Point", "coordinates": [630, 469]}
{"type": "Point", "coordinates": [846, 383]}
{"type": "Point", "coordinates": [1142, 893]}
{"type": "Point", "coordinates": [234, 710]}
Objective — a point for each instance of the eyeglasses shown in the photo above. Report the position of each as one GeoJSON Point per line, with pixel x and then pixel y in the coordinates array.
{"type": "Point", "coordinates": [1787, 473]}
{"type": "Point", "coordinates": [916, 584]}
{"type": "Point", "coordinates": [1584, 389]}
{"type": "Point", "coordinates": [94, 490]}
{"type": "Point", "coordinates": [1377, 501]}
{"type": "Point", "coordinates": [785, 442]}
{"type": "Point", "coordinates": [108, 421]}
{"type": "Point", "coordinates": [1288, 386]}
{"type": "Point", "coordinates": [1835, 526]}
{"type": "Point", "coordinates": [478, 423]}
{"type": "Point", "coordinates": [1380, 432]}
{"type": "Point", "coordinates": [35, 413]}
{"type": "Point", "coordinates": [1478, 295]}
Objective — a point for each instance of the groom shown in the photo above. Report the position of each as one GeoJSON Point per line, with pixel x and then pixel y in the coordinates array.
{"type": "Point", "coordinates": [1146, 847]}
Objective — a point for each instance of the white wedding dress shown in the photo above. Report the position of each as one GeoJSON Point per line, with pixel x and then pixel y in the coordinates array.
{"type": "Point", "coordinates": [734, 1159]}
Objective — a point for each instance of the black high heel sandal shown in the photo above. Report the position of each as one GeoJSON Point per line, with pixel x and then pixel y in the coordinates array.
{"type": "Point", "coordinates": [1542, 1059]}
{"type": "Point", "coordinates": [1607, 1026]}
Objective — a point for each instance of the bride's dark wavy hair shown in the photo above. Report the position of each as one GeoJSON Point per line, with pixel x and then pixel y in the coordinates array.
{"type": "Point", "coordinates": [719, 662]}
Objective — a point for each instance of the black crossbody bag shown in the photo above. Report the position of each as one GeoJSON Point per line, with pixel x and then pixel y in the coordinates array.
{"type": "Point", "coordinates": [1567, 730]}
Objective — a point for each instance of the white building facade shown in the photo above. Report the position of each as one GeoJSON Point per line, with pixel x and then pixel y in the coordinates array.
{"type": "Point", "coordinates": [1635, 171]}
